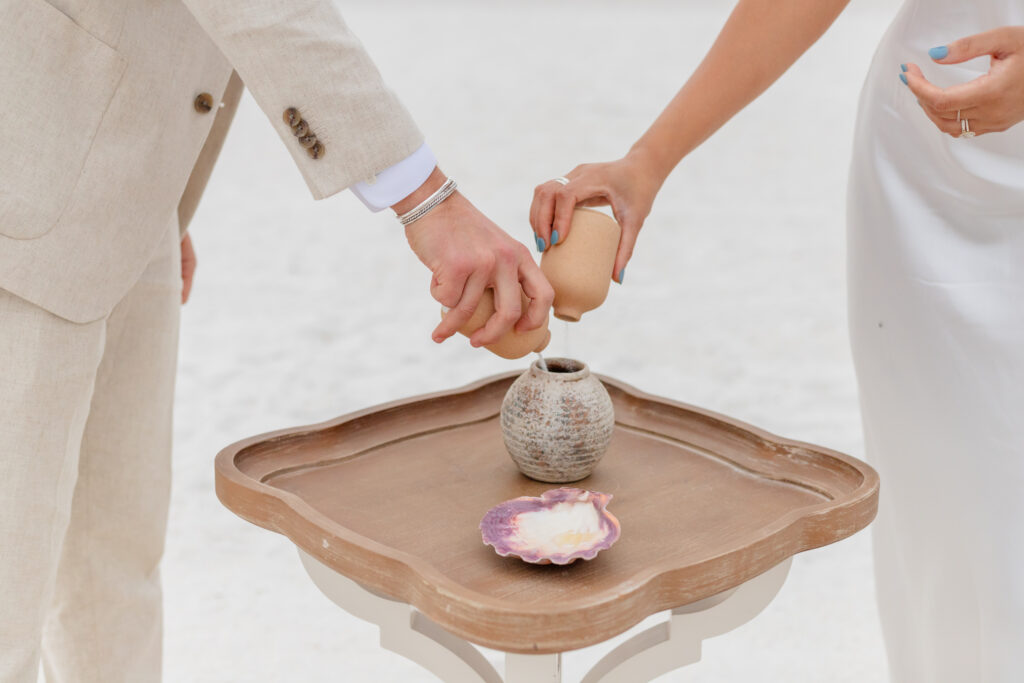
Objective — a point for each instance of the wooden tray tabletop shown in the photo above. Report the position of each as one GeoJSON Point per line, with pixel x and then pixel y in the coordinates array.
{"type": "Point", "coordinates": [392, 497]}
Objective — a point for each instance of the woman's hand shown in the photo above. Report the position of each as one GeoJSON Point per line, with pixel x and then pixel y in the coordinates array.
{"type": "Point", "coordinates": [990, 103]}
{"type": "Point", "coordinates": [188, 267]}
{"type": "Point", "coordinates": [628, 185]}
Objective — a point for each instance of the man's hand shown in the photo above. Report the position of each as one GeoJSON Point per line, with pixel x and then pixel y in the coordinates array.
{"type": "Point", "coordinates": [467, 253]}
{"type": "Point", "coordinates": [188, 267]}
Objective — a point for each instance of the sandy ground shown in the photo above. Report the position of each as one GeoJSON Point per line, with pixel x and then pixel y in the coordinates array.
{"type": "Point", "coordinates": [735, 301]}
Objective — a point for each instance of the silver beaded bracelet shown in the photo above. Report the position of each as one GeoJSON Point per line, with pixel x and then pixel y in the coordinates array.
{"type": "Point", "coordinates": [428, 204]}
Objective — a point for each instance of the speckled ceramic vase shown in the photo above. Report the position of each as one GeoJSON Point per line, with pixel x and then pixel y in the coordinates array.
{"type": "Point", "coordinates": [580, 267]}
{"type": "Point", "coordinates": [557, 423]}
{"type": "Point", "coordinates": [513, 344]}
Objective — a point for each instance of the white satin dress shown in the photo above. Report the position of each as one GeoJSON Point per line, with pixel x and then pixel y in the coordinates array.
{"type": "Point", "coordinates": [936, 295]}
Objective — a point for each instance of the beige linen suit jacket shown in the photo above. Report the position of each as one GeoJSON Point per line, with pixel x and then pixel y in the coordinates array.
{"type": "Point", "coordinates": [107, 108]}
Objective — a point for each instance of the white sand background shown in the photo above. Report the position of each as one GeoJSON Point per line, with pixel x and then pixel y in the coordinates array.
{"type": "Point", "coordinates": [735, 301]}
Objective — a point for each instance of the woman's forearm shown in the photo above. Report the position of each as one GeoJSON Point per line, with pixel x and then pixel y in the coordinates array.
{"type": "Point", "coordinates": [761, 39]}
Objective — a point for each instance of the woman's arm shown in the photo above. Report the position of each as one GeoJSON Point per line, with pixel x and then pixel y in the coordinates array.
{"type": "Point", "coordinates": [761, 39]}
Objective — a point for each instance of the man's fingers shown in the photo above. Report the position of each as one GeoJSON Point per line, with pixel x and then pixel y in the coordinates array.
{"type": "Point", "coordinates": [463, 310]}
{"type": "Point", "coordinates": [508, 302]}
{"type": "Point", "coordinates": [996, 43]}
{"type": "Point", "coordinates": [541, 294]}
{"type": "Point", "coordinates": [188, 267]}
{"type": "Point", "coordinates": [447, 286]}
{"type": "Point", "coordinates": [961, 96]}
{"type": "Point", "coordinates": [186, 288]}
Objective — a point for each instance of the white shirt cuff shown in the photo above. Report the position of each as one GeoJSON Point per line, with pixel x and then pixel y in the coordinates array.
{"type": "Point", "coordinates": [396, 182]}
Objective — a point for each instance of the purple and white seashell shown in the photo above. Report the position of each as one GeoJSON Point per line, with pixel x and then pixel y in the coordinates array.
{"type": "Point", "coordinates": [560, 527]}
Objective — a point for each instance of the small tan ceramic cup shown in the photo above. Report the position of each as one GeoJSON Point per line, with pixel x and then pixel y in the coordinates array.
{"type": "Point", "coordinates": [580, 267]}
{"type": "Point", "coordinates": [513, 344]}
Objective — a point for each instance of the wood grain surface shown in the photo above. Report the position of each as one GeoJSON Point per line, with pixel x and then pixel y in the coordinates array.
{"type": "Point", "coordinates": [392, 497]}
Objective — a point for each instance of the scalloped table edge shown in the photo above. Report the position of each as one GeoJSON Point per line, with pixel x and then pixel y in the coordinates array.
{"type": "Point", "coordinates": [400, 576]}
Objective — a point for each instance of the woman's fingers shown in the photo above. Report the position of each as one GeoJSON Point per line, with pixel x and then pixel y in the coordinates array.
{"type": "Point", "coordinates": [554, 203]}
{"type": "Point", "coordinates": [946, 120]}
{"type": "Point", "coordinates": [596, 200]}
{"type": "Point", "coordinates": [627, 241]}
{"type": "Point", "coordinates": [627, 185]}
{"type": "Point", "coordinates": [954, 127]}
{"type": "Point", "coordinates": [996, 43]}
{"type": "Point", "coordinates": [551, 213]}
{"type": "Point", "coordinates": [971, 112]}
{"type": "Point", "coordinates": [962, 96]}
{"type": "Point", "coordinates": [565, 204]}
{"type": "Point", "coordinates": [542, 212]}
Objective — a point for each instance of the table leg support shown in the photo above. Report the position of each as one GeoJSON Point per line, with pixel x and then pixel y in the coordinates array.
{"type": "Point", "coordinates": [658, 650]}
{"type": "Point", "coordinates": [533, 668]}
{"type": "Point", "coordinates": [677, 642]}
{"type": "Point", "coordinates": [404, 630]}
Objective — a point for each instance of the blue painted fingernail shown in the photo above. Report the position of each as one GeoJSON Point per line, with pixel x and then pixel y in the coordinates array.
{"type": "Point", "coordinates": [622, 274]}
{"type": "Point", "coordinates": [938, 52]}
{"type": "Point", "coordinates": [540, 244]}
{"type": "Point", "coordinates": [554, 237]}
{"type": "Point", "coordinates": [903, 77]}
{"type": "Point", "coordinates": [903, 67]}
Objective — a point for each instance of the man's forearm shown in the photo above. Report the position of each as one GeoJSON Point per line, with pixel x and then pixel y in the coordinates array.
{"type": "Point", "coordinates": [300, 56]}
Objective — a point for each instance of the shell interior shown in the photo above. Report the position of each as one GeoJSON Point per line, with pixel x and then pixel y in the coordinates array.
{"type": "Point", "coordinates": [561, 526]}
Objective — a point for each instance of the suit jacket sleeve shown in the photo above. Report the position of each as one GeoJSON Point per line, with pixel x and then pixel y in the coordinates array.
{"type": "Point", "coordinates": [300, 54]}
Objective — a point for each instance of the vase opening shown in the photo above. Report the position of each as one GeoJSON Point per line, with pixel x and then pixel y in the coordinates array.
{"type": "Point", "coordinates": [562, 366]}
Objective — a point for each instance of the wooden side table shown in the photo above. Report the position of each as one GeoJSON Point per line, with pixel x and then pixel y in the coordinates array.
{"type": "Point", "coordinates": [384, 505]}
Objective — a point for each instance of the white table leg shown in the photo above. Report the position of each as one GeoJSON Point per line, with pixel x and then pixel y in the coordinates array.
{"type": "Point", "coordinates": [533, 668]}
{"type": "Point", "coordinates": [658, 650]}
{"type": "Point", "coordinates": [677, 642]}
{"type": "Point", "coordinates": [404, 630]}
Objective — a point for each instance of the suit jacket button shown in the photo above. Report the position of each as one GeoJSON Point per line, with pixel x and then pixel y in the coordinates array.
{"type": "Point", "coordinates": [203, 102]}
{"type": "Point", "coordinates": [307, 141]}
{"type": "Point", "coordinates": [316, 151]}
{"type": "Point", "coordinates": [301, 129]}
{"type": "Point", "coordinates": [292, 116]}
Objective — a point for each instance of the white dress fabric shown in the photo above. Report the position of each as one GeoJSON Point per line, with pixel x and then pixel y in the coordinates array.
{"type": "Point", "coordinates": [936, 294]}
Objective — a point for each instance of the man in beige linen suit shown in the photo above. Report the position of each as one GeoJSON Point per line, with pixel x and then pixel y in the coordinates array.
{"type": "Point", "coordinates": [111, 114]}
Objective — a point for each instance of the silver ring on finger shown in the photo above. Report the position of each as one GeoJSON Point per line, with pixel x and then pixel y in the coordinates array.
{"type": "Point", "coordinates": [965, 129]}
{"type": "Point", "coordinates": [561, 180]}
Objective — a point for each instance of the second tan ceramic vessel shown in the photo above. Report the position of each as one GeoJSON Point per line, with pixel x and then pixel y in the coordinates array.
{"type": "Point", "coordinates": [580, 267]}
{"type": "Point", "coordinates": [513, 344]}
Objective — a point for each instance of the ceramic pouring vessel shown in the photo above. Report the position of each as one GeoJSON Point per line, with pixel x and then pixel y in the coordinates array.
{"type": "Point", "coordinates": [513, 344]}
{"type": "Point", "coordinates": [557, 423]}
{"type": "Point", "coordinates": [580, 267]}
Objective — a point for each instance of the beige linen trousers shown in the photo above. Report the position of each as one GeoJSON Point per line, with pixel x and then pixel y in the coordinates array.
{"type": "Point", "coordinates": [111, 116]}
{"type": "Point", "coordinates": [85, 481]}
